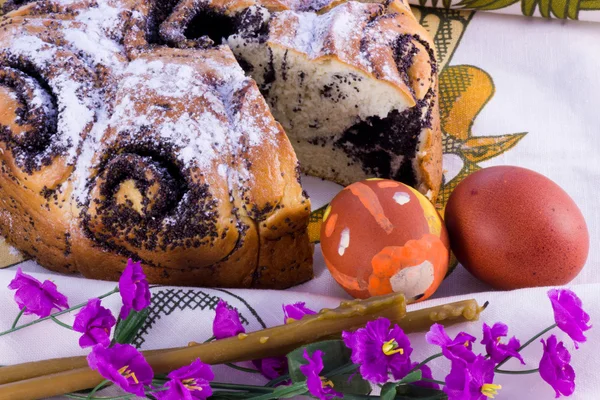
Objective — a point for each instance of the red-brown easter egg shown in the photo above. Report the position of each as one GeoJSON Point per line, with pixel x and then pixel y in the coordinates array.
{"type": "Point", "coordinates": [514, 228]}
{"type": "Point", "coordinates": [381, 236]}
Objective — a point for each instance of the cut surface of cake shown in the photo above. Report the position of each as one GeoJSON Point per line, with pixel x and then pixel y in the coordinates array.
{"type": "Point", "coordinates": [157, 130]}
{"type": "Point", "coordinates": [355, 88]}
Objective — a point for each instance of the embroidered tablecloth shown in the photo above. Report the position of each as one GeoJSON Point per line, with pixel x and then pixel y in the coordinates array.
{"type": "Point", "coordinates": [514, 90]}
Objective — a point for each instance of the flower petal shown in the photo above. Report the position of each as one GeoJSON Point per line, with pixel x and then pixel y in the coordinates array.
{"type": "Point", "coordinates": [295, 311]}
{"type": "Point", "coordinates": [227, 321]}
{"type": "Point", "coordinates": [437, 335]}
{"type": "Point", "coordinates": [555, 369]}
{"type": "Point", "coordinates": [134, 289]}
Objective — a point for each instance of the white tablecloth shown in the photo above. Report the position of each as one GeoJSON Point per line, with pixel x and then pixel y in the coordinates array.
{"type": "Point", "coordinates": [543, 79]}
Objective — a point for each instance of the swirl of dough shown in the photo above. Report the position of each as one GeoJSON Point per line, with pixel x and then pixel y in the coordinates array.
{"type": "Point", "coordinates": [29, 116]}
{"type": "Point", "coordinates": [131, 198]}
{"type": "Point", "coordinates": [141, 202]}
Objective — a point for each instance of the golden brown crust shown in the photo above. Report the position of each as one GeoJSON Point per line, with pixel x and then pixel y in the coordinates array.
{"type": "Point", "coordinates": [423, 76]}
{"type": "Point", "coordinates": [177, 161]}
{"type": "Point", "coordinates": [429, 157]}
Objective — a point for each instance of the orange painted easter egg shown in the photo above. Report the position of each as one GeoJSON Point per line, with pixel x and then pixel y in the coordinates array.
{"type": "Point", "coordinates": [381, 236]}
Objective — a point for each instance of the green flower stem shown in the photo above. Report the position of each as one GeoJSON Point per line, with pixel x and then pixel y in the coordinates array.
{"type": "Point", "coordinates": [80, 396]}
{"type": "Point", "coordinates": [123, 397]}
{"type": "Point", "coordinates": [243, 369]}
{"type": "Point", "coordinates": [437, 396]}
{"type": "Point", "coordinates": [527, 371]}
{"type": "Point", "coordinates": [210, 339]}
{"type": "Point", "coordinates": [228, 395]}
{"type": "Point", "coordinates": [68, 310]}
{"type": "Point", "coordinates": [235, 386]}
{"type": "Point", "coordinates": [432, 380]}
{"type": "Point", "coordinates": [278, 380]}
{"type": "Point", "coordinates": [227, 386]}
{"type": "Point", "coordinates": [527, 343]}
{"type": "Point", "coordinates": [295, 389]}
{"type": "Point", "coordinates": [61, 323]}
{"type": "Point", "coordinates": [98, 387]}
{"type": "Point", "coordinates": [428, 359]}
{"type": "Point", "coordinates": [18, 317]}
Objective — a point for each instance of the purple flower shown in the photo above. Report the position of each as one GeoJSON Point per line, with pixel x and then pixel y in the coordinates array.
{"type": "Point", "coordinates": [227, 322]}
{"type": "Point", "coordinates": [134, 289]}
{"type": "Point", "coordinates": [472, 381]}
{"type": "Point", "coordinates": [272, 367]}
{"type": "Point", "coordinates": [426, 374]}
{"type": "Point", "coordinates": [318, 386]}
{"type": "Point", "coordinates": [95, 322]}
{"type": "Point", "coordinates": [295, 312]}
{"type": "Point", "coordinates": [188, 383]}
{"type": "Point", "coordinates": [379, 350]}
{"type": "Point", "coordinates": [497, 350]}
{"type": "Point", "coordinates": [123, 365]}
{"type": "Point", "coordinates": [568, 314]}
{"type": "Point", "coordinates": [36, 297]}
{"type": "Point", "coordinates": [555, 368]}
{"type": "Point", "coordinates": [459, 349]}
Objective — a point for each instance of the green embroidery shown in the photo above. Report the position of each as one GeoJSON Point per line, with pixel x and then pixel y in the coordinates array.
{"type": "Point", "coordinates": [167, 301]}
{"type": "Point", "coordinates": [562, 9]}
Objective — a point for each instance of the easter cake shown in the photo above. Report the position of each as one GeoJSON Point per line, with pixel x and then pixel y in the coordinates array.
{"type": "Point", "coordinates": [130, 129]}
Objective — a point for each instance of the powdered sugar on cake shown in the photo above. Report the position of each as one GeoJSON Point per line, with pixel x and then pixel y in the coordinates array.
{"type": "Point", "coordinates": [76, 106]}
{"type": "Point", "coordinates": [198, 136]}
{"type": "Point", "coordinates": [208, 116]}
{"type": "Point", "coordinates": [197, 101]}
{"type": "Point", "coordinates": [338, 32]}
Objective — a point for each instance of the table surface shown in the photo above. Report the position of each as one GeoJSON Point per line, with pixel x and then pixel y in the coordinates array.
{"type": "Point", "coordinates": [514, 91]}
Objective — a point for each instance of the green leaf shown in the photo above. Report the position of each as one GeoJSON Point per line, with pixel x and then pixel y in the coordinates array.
{"type": "Point", "coordinates": [388, 391]}
{"type": "Point", "coordinates": [337, 366]}
{"type": "Point", "coordinates": [528, 7]}
{"type": "Point", "coordinates": [419, 392]}
{"type": "Point", "coordinates": [414, 376]}
{"type": "Point", "coordinates": [228, 395]}
{"type": "Point", "coordinates": [127, 329]}
{"type": "Point", "coordinates": [283, 392]}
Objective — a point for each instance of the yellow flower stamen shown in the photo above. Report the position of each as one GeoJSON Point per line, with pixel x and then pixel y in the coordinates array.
{"type": "Point", "coordinates": [391, 347]}
{"type": "Point", "coordinates": [326, 382]}
{"type": "Point", "coordinates": [490, 390]}
{"type": "Point", "coordinates": [467, 343]}
{"type": "Point", "coordinates": [126, 372]}
{"type": "Point", "coordinates": [191, 384]}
